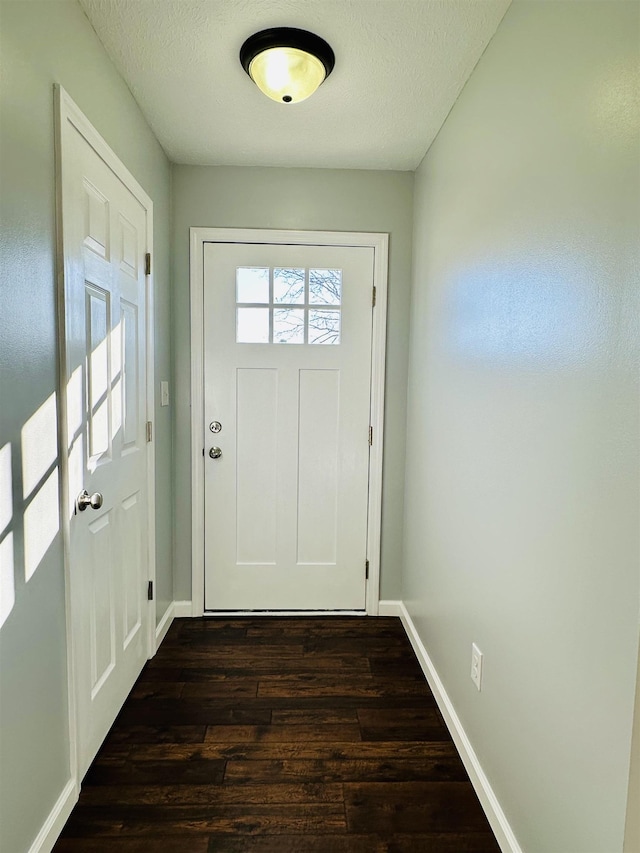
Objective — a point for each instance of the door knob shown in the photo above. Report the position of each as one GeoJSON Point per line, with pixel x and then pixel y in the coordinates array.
{"type": "Point", "coordinates": [215, 453]}
{"type": "Point", "coordinates": [84, 500]}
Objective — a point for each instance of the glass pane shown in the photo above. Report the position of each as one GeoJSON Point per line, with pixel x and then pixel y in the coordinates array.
{"type": "Point", "coordinates": [288, 326]}
{"type": "Point", "coordinates": [324, 327]}
{"type": "Point", "coordinates": [252, 284]}
{"type": "Point", "coordinates": [252, 326]}
{"type": "Point", "coordinates": [325, 287]}
{"type": "Point", "coordinates": [288, 286]}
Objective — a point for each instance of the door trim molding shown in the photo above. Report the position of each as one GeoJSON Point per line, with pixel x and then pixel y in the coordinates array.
{"type": "Point", "coordinates": [67, 111]}
{"type": "Point", "coordinates": [380, 244]}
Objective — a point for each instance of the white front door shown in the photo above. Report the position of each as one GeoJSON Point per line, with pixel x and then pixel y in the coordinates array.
{"type": "Point", "coordinates": [104, 236]}
{"type": "Point", "coordinates": [287, 371]}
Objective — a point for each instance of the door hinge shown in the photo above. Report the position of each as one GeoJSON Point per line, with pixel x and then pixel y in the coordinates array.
{"type": "Point", "coordinates": [366, 570]}
{"type": "Point", "coordinates": [370, 436]}
{"type": "Point", "coordinates": [147, 264]}
{"type": "Point", "coordinates": [150, 591]}
{"type": "Point", "coordinates": [149, 431]}
{"type": "Point", "coordinates": [373, 298]}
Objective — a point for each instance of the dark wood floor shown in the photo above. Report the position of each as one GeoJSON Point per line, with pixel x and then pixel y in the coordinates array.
{"type": "Point", "coordinates": [279, 735]}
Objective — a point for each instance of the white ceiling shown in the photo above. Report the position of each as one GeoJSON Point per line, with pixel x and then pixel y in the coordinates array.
{"type": "Point", "coordinates": [400, 65]}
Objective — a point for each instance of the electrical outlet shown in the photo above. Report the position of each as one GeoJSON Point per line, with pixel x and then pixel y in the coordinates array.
{"type": "Point", "coordinates": [476, 665]}
{"type": "Point", "coordinates": [164, 393]}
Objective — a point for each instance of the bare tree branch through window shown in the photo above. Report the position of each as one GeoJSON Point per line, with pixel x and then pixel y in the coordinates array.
{"type": "Point", "coordinates": [302, 308]}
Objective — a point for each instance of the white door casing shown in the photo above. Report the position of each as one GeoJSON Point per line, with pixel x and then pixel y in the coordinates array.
{"type": "Point", "coordinates": [105, 221]}
{"type": "Point", "coordinates": [285, 519]}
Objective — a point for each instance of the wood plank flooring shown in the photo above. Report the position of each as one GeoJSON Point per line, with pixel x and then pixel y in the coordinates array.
{"type": "Point", "coordinates": [279, 735]}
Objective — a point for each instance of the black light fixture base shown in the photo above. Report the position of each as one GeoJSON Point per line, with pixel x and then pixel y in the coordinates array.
{"type": "Point", "coordinates": [287, 37]}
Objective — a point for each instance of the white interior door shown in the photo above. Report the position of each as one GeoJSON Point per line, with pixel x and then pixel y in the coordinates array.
{"type": "Point", "coordinates": [104, 235]}
{"type": "Point", "coordinates": [287, 370]}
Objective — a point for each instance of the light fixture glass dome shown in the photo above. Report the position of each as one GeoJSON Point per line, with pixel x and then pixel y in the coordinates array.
{"type": "Point", "coordinates": [287, 64]}
{"type": "Point", "coordinates": [287, 74]}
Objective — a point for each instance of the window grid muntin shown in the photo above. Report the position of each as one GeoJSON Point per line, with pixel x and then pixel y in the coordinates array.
{"type": "Point", "coordinates": [271, 306]}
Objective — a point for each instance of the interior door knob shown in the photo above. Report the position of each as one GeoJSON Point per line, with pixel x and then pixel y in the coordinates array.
{"type": "Point", "coordinates": [215, 453]}
{"type": "Point", "coordinates": [85, 500]}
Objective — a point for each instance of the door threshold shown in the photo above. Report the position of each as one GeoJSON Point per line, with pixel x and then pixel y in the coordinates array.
{"type": "Point", "coordinates": [234, 613]}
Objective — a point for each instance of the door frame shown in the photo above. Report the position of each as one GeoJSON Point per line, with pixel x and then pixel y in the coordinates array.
{"type": "Point", "coordinates": [67, 111]}
{"type": "Point", "coordinates": [379, 242]}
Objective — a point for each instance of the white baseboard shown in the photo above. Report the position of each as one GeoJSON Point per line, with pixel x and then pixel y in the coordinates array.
{"type": "Point", "coordinates": [389, 608]}
{"type": "Point", "coordinates": [164, 624]}
{"type": "Point", "coordinates": [496, 817]}
{"type": "Point", "coordinates": [181, 609]}
{"type": "Point", "coordinates": [58, 816]}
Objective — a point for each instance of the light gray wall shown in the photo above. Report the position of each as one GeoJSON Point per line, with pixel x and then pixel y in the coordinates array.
{"type": "Point", "coordinates": [43, 43]}
{"type": "Point", "coordinates": [313, 199]}
{"type": "Point", "coordinates": [522, 483]}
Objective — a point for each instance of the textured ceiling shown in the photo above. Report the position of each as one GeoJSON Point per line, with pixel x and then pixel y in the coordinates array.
{"type": "Point", "coordinates": [400, 65]}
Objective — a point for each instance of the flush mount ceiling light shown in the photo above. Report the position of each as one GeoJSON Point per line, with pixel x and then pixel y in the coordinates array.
{"type": "Point", "coordinates": [287, 64]}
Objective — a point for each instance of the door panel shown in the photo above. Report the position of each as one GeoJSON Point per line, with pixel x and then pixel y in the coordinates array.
{"type": "Point", "coordinates": [102, 615]}
{"type": "Point", "coordinates": [129, 391]}
{"type": "Point", "coordinates": [104, 229]}
{"type": "Point", "coordinates": [132, 567]}
{"type": "Point", "coordinates": [98, 325]}
{"type": "Point", "coordinates": [287, 342]}
{"type": "Point", "coordinates": [256, 469]}
{"type": "Point", "coordinates": [318, 482]}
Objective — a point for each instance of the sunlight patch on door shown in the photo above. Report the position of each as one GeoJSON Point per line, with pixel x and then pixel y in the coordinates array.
{"type": "Point", "coordinates": [129, 391]}
{"type": "Point", "coordinates": [117, 358]}
{"type": "Point", "coordinates": [98, 323]}
{"type": "Point", "coordinates": [76, 472]}
{"type": "Point", "coordinates": [74, 404]}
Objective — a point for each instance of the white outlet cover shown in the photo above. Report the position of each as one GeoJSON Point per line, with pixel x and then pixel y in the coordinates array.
{"type": "Point", "coordinates": [476, 665]}
{"type": "Point", "coordinates": [164, 393]}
